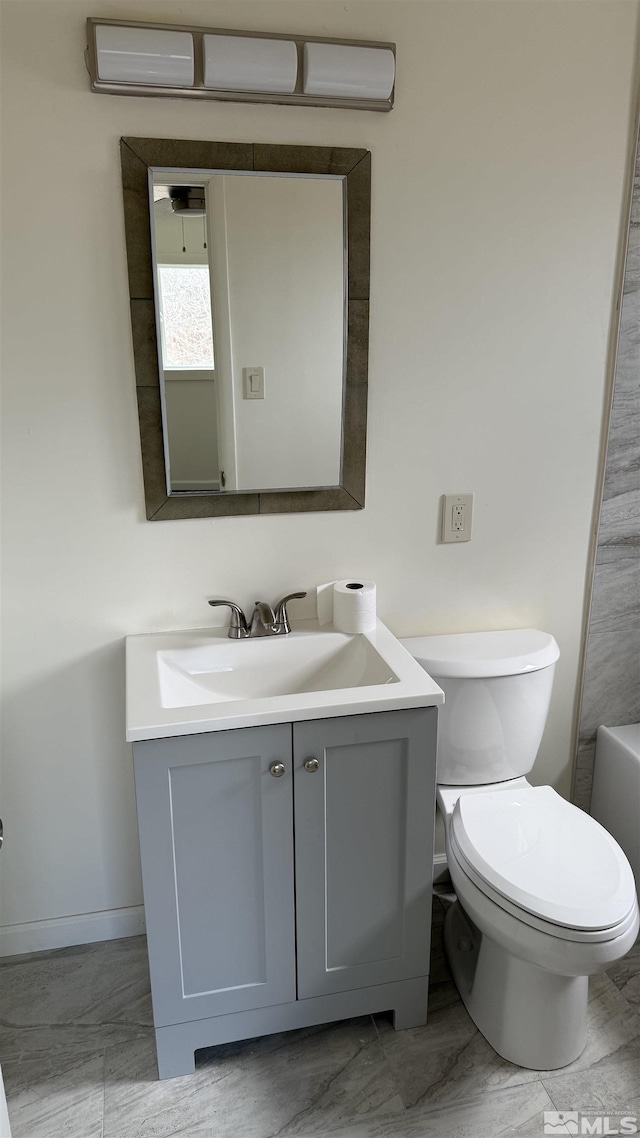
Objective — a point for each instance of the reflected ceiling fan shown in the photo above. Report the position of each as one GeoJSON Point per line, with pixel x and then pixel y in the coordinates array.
{"type": "Point", "coordinates": [185, 201]}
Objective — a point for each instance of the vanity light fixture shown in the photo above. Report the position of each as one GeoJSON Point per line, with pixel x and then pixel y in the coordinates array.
{"type": "Point", "coordinates": [242, 63]}
{"type": "Point", "coordinates": [341, 70]}
{"type": "Point", "coordinates": [153, 56]}
{"type": "Point", "coordinates": [129, 58]}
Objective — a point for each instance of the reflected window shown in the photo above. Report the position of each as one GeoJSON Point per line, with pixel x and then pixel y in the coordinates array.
{"type": "Point", "coordinates": [185, 316]}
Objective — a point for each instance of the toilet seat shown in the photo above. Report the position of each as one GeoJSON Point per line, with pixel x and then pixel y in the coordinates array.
{"type": "Point", "coordinates": [461, 870]}
{"type": "Point", "coordinates": [544, 860]}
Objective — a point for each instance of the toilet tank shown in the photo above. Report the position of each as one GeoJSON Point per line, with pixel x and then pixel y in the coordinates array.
{"type": "Point", "coordinates": [497, 688]}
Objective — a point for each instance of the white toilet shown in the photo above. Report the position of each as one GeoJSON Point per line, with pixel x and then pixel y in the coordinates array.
{"type": "Point", "coordinates": [545, 896]}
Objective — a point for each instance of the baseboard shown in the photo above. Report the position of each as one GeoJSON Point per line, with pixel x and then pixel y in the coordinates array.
{"type": "Point", "coordinates": [86, 928]}
{"type": "Point", "coordinates": [61, 932]}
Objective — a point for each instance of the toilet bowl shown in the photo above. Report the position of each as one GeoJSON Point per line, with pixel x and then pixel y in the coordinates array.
{"type": "Point", "coordinates": [545, 896]}
{"type": "Point", "coordinates": [545, 899]}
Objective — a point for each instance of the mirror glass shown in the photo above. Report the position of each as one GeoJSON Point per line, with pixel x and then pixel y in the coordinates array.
{"type": "Point", "coordinates": [249, 278]}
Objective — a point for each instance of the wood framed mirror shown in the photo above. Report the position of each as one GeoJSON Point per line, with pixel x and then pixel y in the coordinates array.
{"type": "Point", "coordinates": [249, 288]}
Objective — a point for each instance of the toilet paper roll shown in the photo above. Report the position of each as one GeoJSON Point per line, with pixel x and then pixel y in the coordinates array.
{"type": "Point", "coordinates": [354, 606]}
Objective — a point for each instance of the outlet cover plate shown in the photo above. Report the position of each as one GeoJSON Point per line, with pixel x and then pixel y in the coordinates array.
{"type": "Point", "coordinates": [457, 514]}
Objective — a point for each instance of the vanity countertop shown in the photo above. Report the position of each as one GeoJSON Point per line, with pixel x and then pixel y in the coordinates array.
{"type": "Point", "coordinates": [196, 680]}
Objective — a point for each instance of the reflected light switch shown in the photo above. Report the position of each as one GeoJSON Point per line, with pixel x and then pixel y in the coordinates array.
{"type": "Point", "coordinates": [253, 379]}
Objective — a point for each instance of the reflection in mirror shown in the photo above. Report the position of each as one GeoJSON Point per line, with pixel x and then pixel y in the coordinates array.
{"type": "Point", "coordinates": [250, 305]}
{"type": "Point", "coordinates": [185, 339]}
{"type": "Point", "coordinates": [249, 290]}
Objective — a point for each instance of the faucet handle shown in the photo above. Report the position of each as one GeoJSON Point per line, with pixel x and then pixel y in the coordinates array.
{"type": "Point", "coordinates": [238, 627]}
{"type": "Point", "coordinates": [282, 616]}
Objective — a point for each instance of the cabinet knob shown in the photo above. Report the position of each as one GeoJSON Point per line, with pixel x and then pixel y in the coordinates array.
{"type": "Point", "coordinates": [277, 770]}
{"type": "Point", "coordinates": [311, 765]}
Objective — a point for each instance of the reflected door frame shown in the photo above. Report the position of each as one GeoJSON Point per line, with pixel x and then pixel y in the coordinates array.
{"type": "Point", "coordinates": [222, 336]}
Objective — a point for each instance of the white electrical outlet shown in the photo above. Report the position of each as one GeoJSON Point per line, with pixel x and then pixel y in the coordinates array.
{"type": "Point", "coordinates": [457, 511]}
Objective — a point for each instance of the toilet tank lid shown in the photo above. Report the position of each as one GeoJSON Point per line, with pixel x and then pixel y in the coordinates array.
{"type": "Point", "coordinates": [482, 654]}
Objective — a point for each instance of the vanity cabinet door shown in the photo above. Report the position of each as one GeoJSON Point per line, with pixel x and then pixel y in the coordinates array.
{"type": "Point", "coordinates": [216, 841]}
{"type": "Point", "coordinates": [364, 815]}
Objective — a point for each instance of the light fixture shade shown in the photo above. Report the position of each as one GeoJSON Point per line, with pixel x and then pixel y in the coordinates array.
{"type": "Point", "coordinates": [332, 69]}
{"type": "Point", "coordinates": [241, 63]}
{"type": "Point", "coordinates": [144, 55]}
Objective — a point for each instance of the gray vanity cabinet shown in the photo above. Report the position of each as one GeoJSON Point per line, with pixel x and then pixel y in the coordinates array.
{"type": "Point", "coordinates": [282, 898]}
{"type": "Point", "coordinates": [216, 842]}
{"type": "Point", "coordinates": [364, 850]}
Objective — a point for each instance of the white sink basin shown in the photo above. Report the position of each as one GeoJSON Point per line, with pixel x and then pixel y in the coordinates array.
{"type": "Point", "coordinates": [255, 669]}
{"type": "Point", "coordinates": [180, 683]}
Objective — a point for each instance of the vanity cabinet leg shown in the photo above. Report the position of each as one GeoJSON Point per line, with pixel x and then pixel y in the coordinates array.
{"type": "Point", "coordinates": [411, 1008]}
{"type": "Point", "coordinates": [175, 1056]}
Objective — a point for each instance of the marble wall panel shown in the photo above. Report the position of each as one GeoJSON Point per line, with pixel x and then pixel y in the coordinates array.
{"type": "Point", "coordinates": [611, 685]}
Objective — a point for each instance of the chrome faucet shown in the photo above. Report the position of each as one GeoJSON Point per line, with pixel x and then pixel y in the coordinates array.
{"type": "Point", "coordinates": [264, 621]}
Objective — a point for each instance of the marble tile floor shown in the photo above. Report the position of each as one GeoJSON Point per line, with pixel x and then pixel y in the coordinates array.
{"type": "Point", "coordinates": [77, 1052]}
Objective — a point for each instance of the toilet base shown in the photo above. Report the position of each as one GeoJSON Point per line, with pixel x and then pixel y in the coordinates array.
{"type": "Point", "coordinates": [532, 1018]}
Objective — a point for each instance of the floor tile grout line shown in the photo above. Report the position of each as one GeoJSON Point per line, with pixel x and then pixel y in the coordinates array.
{"type": "Point", "coordinates": [392, 1074]}
{"type": "Point", "coordinates": [635, 1007]}
{"type": "Point", "coordinates": [559, 1104]}
{"type": "Point", "coordinates": [104, 1089]}
{"type": "Point", "coordinates": [477, 1099]}
{"type": "Point", "coordinates": [613, 1060]}
{"type": "Point", "coordinates": [354, 1126]}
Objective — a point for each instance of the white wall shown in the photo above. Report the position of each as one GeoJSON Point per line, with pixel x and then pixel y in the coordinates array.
{"type": "Point", "coordinates": [285, 255]}
{"type": "Point", "coordinates": [497, 188]}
